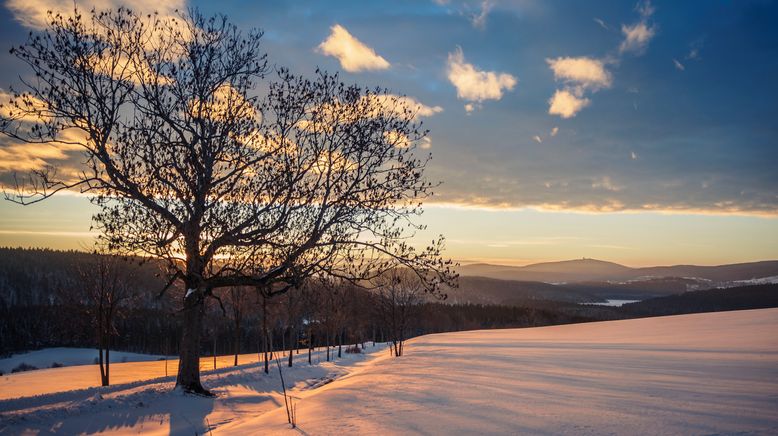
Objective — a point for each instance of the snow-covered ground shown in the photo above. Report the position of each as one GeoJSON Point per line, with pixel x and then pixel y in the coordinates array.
{"type": "Point", "coordinates": [68, 357]}
{"type": "Point", "coordinates": [711, 373]}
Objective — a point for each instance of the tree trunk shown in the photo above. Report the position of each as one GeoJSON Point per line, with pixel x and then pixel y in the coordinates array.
{"type": "Point", "coordinates": [292, 344]}
{"type": "Point", "coordinates": [188, 377]}
{"type": "Point", "coordinates": [340, 345]}
{"type": "Point", "coordinates": [310, 345]}
{"type": "Point", "coordinates": [107, 380]}
{"type": "Point", "coordinates": [264, 333]}
{"type": "Point", "coordinates": [328, 347]}
{"type": "Point", "coordinates": [237, 342]}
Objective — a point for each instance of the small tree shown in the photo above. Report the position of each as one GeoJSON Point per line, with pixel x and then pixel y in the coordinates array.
{"type": "Point", "coordinates": [189, 165]}
{"type": "Point", "coordinates": [102, 290]}
{"type": "Point", "coordinates": [238, 303]}
{"type": "Point", "coordinates": [400, 292]}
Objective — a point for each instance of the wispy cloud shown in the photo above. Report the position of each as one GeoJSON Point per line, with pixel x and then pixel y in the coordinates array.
{"type": "Point", "coordinates": [398, 103]}
{"type": "Point", "coordinates": [638, 35]}
{"type": "Point", "coordinates": [353, 54]}
{"type": "Point", "coordinates": [678, 65]}
{"type": "Point", "coordinates": [479, 19]}
{"type": "Point", "coordinates": [476, 85]}
{"type": "Point", "coordinates": [34, 13]}
{"type": "Point", "coordinates": [601, 23]}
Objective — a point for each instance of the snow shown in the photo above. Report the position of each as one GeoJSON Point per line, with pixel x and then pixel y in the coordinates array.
{"type": "Point", "coordinates": [67, 357]}
{"type": "Point", "coordinates": [760, 281]}
{"type": "Point", "coordinates": [611, 303]}
{"type": "Point", "coordinates": [142, 399]}
{"type": "Point", "coordinates": [690, 374]}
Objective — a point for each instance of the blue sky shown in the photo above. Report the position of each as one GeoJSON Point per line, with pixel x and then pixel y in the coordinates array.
{"type": "Point", "coordinates": [663, 121]}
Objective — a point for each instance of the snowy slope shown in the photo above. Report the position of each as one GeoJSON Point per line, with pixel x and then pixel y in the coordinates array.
{"type": "Point", "coordinates": [693, 374]}
{"type": "Point", "coordinates": [689, 374]}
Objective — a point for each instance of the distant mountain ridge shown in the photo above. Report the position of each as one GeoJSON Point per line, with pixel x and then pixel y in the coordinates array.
{"type": "Point", "coordinates": [589, 270]}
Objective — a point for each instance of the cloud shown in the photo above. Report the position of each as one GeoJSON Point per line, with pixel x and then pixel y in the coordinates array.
{"type": "Point", "coordinates": [419, 109]}
{"type": "Point", "coordinates": [537, 139]}
{"type": "Point", "coordinates": [578, 74]}
{"type": "Point", "coordinates": [601, 23]}
{"type": "Point", "coordinates": [678, 65]}
{"type": "Point", "coordinates": [633, 155]}
{"type": "Point", "coordinates": [588, 73]}
{"type": "Point", "coordinates": [479, 20]}
{"type": "Point", "coordinates": [605, 183]}
{"type": "Point", "coordinates": [19, 156]}
{"type": "Point", "coordinates": [566, 104]}
{"type": "Point", "coordinates": [354, 56]}
{"type": "Point", "coordinates": [638, 35]}
{"type": "Point", "coordinates": [34, 13]}
{"type": "Point", "coordinates": [476, 85]}
{"type": "Point", "coordinates": [554, 131]}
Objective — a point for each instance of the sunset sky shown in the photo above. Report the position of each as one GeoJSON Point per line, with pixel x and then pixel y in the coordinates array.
{"type": "Point", "coordinates": [641, 133]}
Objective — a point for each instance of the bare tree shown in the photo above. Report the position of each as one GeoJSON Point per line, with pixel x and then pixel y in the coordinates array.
{"type": "Point", "coordinates": [102, 290]}
{"type": "Point", "coordinates": [399, 294]}
{"type": "Point", "coordinates": [238, 303]}
{"type": "Point", "coordinates": [190, 166]}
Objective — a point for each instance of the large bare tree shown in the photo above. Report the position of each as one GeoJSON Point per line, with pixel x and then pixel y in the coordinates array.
{"type": "Point", "coordinates": [234, 178]}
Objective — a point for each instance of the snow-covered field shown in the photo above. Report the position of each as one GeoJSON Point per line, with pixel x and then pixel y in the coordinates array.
{"type": "Point", "coordinates": [711, 373]}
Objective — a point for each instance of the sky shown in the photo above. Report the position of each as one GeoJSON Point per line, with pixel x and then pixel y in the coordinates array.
{"type": "Point", "coordinates": [642, 133]}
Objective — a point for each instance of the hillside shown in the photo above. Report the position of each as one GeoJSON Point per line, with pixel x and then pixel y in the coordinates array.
{"type": "Point", "coordinates": [592, 270]}
{"type": "Point", "coordinates": [692, 374]}
{"type": "Point", "coordinates": [484, 290]}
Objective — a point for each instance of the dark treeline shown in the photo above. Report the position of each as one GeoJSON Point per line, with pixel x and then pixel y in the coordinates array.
{"type": "Point", "coordinates": [710, 300]}
{"type": "Point", "coordinates": [42, 304]}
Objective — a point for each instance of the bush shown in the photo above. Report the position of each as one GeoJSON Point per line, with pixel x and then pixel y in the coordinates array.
{"type": "Point", "coordinates": [56, 365]}
{"type": "Point", "coordinates": [23, 367]}
{"type": "Point", "coordinates": [354, 349]}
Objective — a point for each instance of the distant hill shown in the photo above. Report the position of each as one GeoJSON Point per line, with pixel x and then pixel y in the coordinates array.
{"type": "Point", "coordinates": [592, 270]}
{"type": "Point", "coordinates": [484, 290]}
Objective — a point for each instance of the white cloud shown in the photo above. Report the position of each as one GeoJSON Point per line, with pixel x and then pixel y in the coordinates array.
{"type": "Point", "coordinates": [582, 71]}
{"type": "Point", "coordinates": [470, 107]}
{"type": "Point", "coordinates": [633, 155]}
{"type": "Point", "coordinates": [638, 35]}
{"type": "Point", "coordinates": [678, 65]}
{"type": "Point", "coordinates": [554, 131]}
{"type": "Point", "coordinates": [578, 74]}
{"type": "Point", "coordinates": [353, 55]}
{"type": "Point", "coordinates": [476, 85]}
{"type": "Point", "coordinates": [537, 139]}
{"type": "Point", "coordinates": [398, 104]}
{"type": "Point", "coordinates": [34, 13]}
{"type": "Point", "coordinates": [566, 104]}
